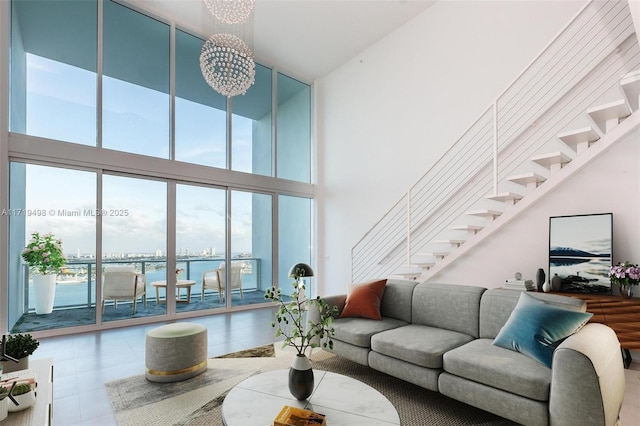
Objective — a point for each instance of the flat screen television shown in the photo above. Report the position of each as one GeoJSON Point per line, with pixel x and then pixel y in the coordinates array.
{"type": "Point", "coordinates": [580, 250]}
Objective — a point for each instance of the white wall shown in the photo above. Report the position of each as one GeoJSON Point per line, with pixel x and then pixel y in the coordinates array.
{"type": "Point", "coordinates": [389, 113]}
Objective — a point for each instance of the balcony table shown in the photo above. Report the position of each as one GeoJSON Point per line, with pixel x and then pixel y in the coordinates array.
{"type": "Point", "coordinates": [179, 284]}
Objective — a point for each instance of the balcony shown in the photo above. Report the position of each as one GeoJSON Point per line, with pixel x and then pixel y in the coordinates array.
{"type": "Point", "coordinates": [75, 299]}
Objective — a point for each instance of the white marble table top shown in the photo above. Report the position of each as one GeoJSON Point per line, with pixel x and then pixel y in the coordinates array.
{"type": "Point", "coordinates": [345, 401]}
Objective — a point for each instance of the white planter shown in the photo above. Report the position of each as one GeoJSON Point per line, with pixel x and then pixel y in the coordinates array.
{"type": "Point", "coordinates": [10, 366]}
{"type": "Point", "coordinates": [25, 400]}
{"type": "Point", "coordinates": [4, 409]}
{"type": "Point", "coordinates": [44, 291]}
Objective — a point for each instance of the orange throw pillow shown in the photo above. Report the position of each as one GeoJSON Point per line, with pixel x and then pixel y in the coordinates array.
{"type": "Point", "coordinates": [363, 300]}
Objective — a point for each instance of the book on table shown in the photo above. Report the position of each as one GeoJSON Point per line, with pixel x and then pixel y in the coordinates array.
{"type": "Point", "coordinates": [293, 416]}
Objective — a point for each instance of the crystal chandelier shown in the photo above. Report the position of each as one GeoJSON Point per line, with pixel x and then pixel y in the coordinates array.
{"type": "Point", "coordinates": [230, 11]}
{"type": "Point", "coordinates": [226, 61]}
{"type": "Point", "coordinates": [227, 64]}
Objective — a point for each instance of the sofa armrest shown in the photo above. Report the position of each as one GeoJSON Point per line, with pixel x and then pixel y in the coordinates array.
{"type": "Point", "coordinates": [588, 382]}
{"type": "Point", "coordinates": [313, 311]}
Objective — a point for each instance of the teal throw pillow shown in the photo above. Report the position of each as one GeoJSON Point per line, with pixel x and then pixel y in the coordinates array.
{"type": "Point", "coordinates": [536, 328]}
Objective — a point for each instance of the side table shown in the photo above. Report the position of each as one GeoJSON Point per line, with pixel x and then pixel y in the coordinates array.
{"type": "Point", "coordinates": [621, 314]}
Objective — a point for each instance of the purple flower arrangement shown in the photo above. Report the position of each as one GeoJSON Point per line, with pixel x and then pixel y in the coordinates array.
{"type": "Point", "coordinates": [625, 273]}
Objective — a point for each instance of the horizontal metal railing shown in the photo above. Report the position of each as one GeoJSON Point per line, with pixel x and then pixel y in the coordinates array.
{"type": "Point", "coordinates": [579, 67]}
{"type": "Point", "coordinates": [251, 277]}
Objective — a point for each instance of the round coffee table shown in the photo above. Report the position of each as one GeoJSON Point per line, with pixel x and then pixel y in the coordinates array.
{"type": "Point", "coordinates": [345, 401]}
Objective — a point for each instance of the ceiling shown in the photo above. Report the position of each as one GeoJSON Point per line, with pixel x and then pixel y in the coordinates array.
{"type": "Point", "coordinates": [307, 39]}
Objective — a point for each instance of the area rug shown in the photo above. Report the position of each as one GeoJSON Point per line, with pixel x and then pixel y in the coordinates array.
{"type": "Point", "coordinates": [198, 401]}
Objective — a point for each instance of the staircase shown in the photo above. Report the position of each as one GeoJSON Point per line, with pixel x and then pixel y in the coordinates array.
{"type": "Point", "coordinates": [567, 107]}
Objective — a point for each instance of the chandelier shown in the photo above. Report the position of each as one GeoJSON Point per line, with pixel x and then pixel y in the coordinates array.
{"type": "Point", "coordinates": [230, 11]}
{"type": "Point", "coordinates": [227, 64]}
{"type": "Point", "coordinates": [226, 61]}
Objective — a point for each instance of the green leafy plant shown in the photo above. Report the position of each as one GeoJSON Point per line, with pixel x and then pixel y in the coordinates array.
{"type": "Point", "coordinates": [20, 388]}
{"type": "Point", "coordinates": [44, 253]}
{"type": "Point", "coordinates": [4, 392]}
{"type": "Point", "coordinates": [20, 345]}
{"type": "Point", "coordinates": [290, 316]}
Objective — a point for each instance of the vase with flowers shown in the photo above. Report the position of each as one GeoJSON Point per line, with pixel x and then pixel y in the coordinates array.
{"type": "Point", "coordinates": [45, 257]}
{"type": "Point", "coordinates": [626, 275]}
{"type": "Point", "coordinates": [290, 324]}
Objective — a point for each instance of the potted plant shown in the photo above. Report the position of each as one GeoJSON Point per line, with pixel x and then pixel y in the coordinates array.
{"type": "Point", "coordinates": [627, 276]}
{"type": "Point", "coordinates": [23, 396]}
{"type": "Point", "coordinates": [19, 347]}
{"type": "Point", "coordinates": [4, 406]}
{"type": "Point", "coordinates": [44, 256]}
{"type": "Point", "coordinates": [290, 324]}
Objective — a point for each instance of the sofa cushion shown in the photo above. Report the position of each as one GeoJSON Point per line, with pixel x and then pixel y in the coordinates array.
{"type": "Point", "coordinates": [491, 365]}
{"type": "Point", "coordinates": [418, 344]}
{"type": "Point", "coordinates": [358, 331]}
{"type": "Point", "coordinates": [363, 300]}
{"type": "Point", "coordinates": [536, 328]}
{"type": "Point", "coordinates": [447, 306]}
{"type": "Point", "coordinates": [396, 302]}
{"type": "Point", "coordinates": [496, 306]}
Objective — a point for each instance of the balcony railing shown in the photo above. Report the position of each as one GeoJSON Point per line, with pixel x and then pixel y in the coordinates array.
{"type": "Point", "coordinates": [76, 286]}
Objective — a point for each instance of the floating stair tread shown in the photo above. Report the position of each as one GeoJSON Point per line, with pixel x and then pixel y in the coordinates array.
{"type": "Point", "coordinates": [424, 264]}
{"type": "Point", "coordinates": [573, 137]}
{"type": "Point", "coordinates": [549, 159]}
{"type": "Point", "coordinates": [616, 109]}
{"type": "Point", "coordinates": [630, 84]}
{"type": "Point", "coordinates": [438, 253]}
{"type": "Point", "coordinates": [466, 228]}
{"type": "Point", "coordinates": [453, 242]}
{"type": "Point", "coordinates": [485, 213]}
{"type": "Point", "coordinates": [505, 196]}
{"type": "Point", "coordinates": [408, 271]}
{"type": "Point", "coordinates": [527, 178]}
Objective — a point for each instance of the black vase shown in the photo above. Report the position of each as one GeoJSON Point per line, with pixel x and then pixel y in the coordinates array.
{"type": "Point", "coordinates": [540, 279]}
{"type": "Point", "coordinates": [301, 378]}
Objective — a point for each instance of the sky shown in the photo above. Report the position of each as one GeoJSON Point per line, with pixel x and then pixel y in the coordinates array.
{"type": "Point", "coordinates": [590, 233]}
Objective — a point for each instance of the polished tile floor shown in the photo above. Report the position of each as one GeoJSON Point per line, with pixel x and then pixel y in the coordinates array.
{"type": "Point", "coordinates": [84, 362]}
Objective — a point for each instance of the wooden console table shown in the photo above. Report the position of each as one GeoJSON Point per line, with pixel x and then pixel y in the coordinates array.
{"type": "Point", "coordinates": [42, 412]}
{"type": "Point", "coordinates": [622, 315]}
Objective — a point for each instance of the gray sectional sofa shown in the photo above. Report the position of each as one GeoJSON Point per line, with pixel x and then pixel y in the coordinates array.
{"type": "Point", "coordinates": [440, 336]}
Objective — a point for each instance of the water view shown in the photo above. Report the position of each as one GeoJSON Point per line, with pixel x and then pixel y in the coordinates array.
{"type": "Point", "coordinates": [73, 288]}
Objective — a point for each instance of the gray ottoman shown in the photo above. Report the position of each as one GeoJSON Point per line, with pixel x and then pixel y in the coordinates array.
{"type": "Point", "coordinates": [176, 352]}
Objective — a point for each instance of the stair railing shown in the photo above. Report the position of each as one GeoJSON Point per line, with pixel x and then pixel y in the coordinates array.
{"type": "Point", "coordinates": [580, 65]}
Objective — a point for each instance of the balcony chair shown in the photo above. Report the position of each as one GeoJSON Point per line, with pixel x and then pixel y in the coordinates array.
{"type": "Point", "coordinates": [123, 283]}
{"type": "Point", "coordinates": [215, 279]}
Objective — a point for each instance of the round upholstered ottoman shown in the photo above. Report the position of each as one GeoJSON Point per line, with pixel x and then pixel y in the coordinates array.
{"type": "Point", "coordinates": [176, 352]}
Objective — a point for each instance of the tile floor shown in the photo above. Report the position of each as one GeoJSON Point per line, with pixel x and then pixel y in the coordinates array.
{"type": "Point", "coordinates": [84, 362]}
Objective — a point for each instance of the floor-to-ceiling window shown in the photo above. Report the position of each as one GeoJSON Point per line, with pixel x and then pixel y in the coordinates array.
{"type": "Point", "coordinates": [294, 240]}
{"type": "Point", "coordinates": [176, 175]}
{"type": "Point", "coordinates": [135, 82]}
{"type": "Point", "coordinates": [200, 113]}
{"type": "Point", "coordinates": [61, 202]}
{"type": "Point", "coordinates": [201, 230]}
{"type": "Point", "coordinates": [134, 229]}
{"type": "Point", "coordinates": [251, 247]}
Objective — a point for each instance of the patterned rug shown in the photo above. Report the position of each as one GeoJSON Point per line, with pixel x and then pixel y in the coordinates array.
{"type": "Point", "coordinates": [198, 401]}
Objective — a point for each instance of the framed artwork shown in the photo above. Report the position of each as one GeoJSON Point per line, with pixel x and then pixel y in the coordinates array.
{"type": "Point", "coordinates": [580, 252]}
